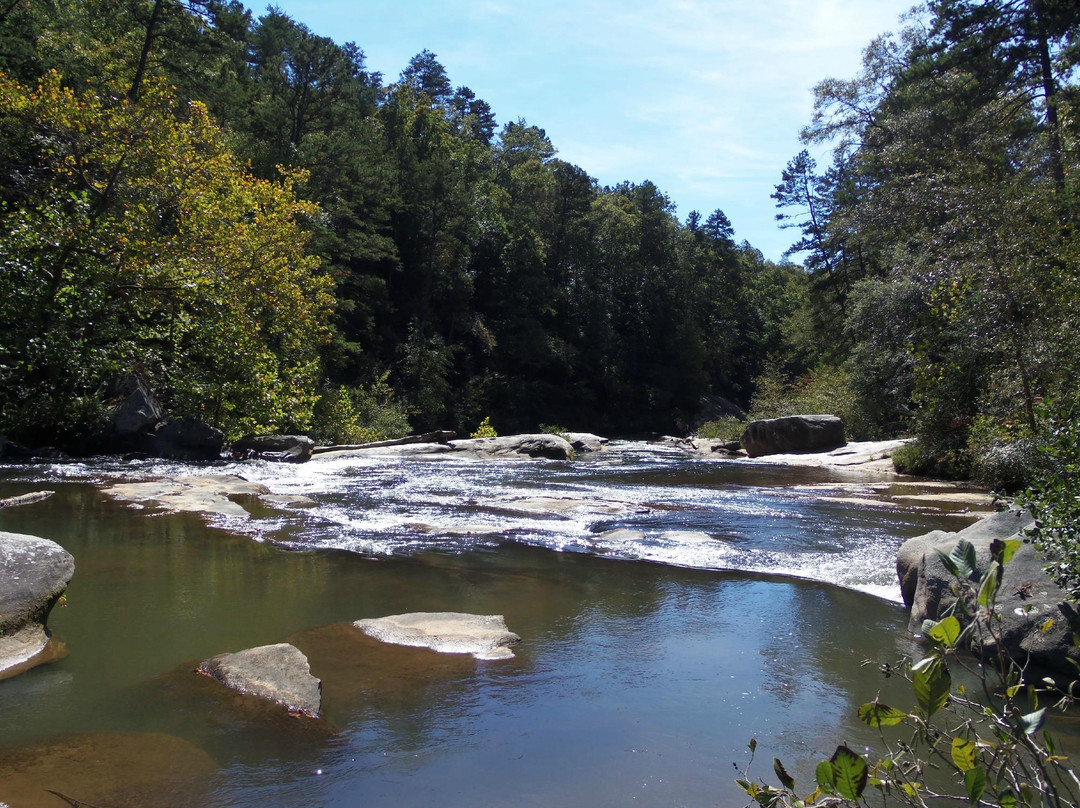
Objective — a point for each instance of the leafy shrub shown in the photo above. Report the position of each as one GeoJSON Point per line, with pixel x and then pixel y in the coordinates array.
{"type": "Point", "coordinates": [826, 390]}
{"type": "Point", "coordinates": [360, 414]}
{"type": "Point", "coordinates": [553, 429]}
{"type": "Point", "coordinates": [728, 428]}
{"type": "Point", "coordinates": [919, 459]}
{"type": "Point", "coordinates": [1053, 497]}
{"type": "Point", "coordinates": [1003, 459]}
{"type": "Point", "coordinates": [992, 746]}
{"type": "Point", "coordinates": [485, 430]}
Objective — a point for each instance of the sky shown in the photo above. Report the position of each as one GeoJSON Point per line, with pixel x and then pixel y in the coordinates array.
{"type": "Point", "coordinates": [705, 98]}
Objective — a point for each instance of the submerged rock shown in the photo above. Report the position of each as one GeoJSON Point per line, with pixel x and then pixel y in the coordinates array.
{"type": "Point", "coordinates": [210, 494]}
{"type": "Point", "coordinates": [485, 636]}
{"type": "Point", "coordinates": [794, 433]}
{"type": "Point", "coordinates": [278, 673]}
{"type": "Point", "coordinates": [34, 573]}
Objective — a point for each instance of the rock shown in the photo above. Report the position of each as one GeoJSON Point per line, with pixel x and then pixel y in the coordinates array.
{"type": "Point", "coordinates": [713, 408]}
{"type": "Point", "coordinates": [210, 494]}
{"type": "Point", "coordinates": [551, 447]}
{"type": "Point", "coordinates": [714, 447]}
{"type": "Point", "coordinates": [35, 573]}
{"type": "Point", "coordinates": [910, 558]}
{"type": "Point", "coordinates": [795, 433]}
{"type": "Point", "coordinates": [138, 411]}
{"type": "Point", "coordinates": [289, 448]}
{"type": "Point", "coordinates": [278, 673]}
{"type": "Point", "coordinates": [583, 442]}
{"type": "Point", "coordinates": [186, 439]}
{"type": "Point", "coordinates": [1035, 621]}
{"type": "Point", "coordinates": [485, 636]}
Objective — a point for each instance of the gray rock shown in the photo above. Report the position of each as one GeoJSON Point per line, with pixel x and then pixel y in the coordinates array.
{"type": "Point", "coordinates": [278, 673]}
{"type": "Point", "coordinates": [186, 439]}
{"type": "Point", "coordinates": [485, 636]}
{"type": "Point", "coordinates": [1033, 620]}
{"type": "Point", "coordinates": [551, 447]}
{"type": "Point", "coordinates": [794, 433]}
{"type": "Point", "coordinates": [583, 442]}
{"type": "Point", "coordinates": [34, 573]}
{"type": "Point", "coordinates": [289, 448]}
{"type": "Point", "coordinates": [138, 411]}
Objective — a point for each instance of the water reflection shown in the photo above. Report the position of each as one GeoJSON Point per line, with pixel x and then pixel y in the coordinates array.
{"type": "Point", "coordinates": [634, 681]}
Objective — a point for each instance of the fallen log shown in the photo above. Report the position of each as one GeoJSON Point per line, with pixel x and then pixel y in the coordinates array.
{"type": "Point", "coordinates": [25, 499]}
{"type": "Point", "coordinates": [439, 436]}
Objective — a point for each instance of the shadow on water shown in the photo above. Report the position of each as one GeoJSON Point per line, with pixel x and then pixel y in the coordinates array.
{"type": "Point", "coordinates": [634, 682]}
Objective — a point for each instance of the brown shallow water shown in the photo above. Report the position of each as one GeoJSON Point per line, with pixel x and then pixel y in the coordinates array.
{"type": "Point", "coordinates": [634, 683]}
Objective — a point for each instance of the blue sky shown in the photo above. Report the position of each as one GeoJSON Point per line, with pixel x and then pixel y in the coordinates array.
{"type": "Point", "coordinates": [705, 98]}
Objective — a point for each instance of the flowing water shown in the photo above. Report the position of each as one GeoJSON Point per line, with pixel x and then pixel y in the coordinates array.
{"type": "Point", "coordinates": [670, 609]}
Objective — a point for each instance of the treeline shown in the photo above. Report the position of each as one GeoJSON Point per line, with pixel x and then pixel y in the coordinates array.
{"type": "Point", "coordinates": [278, 239]}
{"type": "Point", "coordinates": [942, 241]}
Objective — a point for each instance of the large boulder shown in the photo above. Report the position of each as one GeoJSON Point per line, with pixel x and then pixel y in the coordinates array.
{"type": "Point", "coordinates": [186, 439]}
{"type": "Point", "coordinates": [485, 636]}
{"type": "Point", "coordinates": [34, 573]}
{"type": "Point", "coordinates": [289, 448]}
{"type": "Point", "coordinates": [551, 447]}
{"type": "Point", "coordinates": [277, 673]}
{"type": "Point", "coordinates": [1034, 622]}
{"type": "Point", "coordinates": [794, 433]}
{"type": "Point", "coordinates": [136, 411]}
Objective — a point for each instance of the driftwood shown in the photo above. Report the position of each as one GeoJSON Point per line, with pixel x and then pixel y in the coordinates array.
{"type": "Point", "coordinates": [440, 436]}
{"type": "Point", "coordinates": [25, 499]}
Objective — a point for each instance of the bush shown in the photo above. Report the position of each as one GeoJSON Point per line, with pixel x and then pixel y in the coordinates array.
{"type": "Point", "coordinates": [919, 459]}
{"type": "Point", "coordinates": [360, 414]}
{"type": "Point", "coordinates": [1001, 459]}
{"type": "Point", "coordinates": [1054, 496]}
{"type": "Point", "coordinates": [826, 390]}
{"type": "Point", "coordinates": [485, 430]}
{"type": "Point", "coordinates": [990, 743]}
{"type": "Point", "coordinates": [728, 428]}
{"type": "Point", "coordinates": [553, 429]}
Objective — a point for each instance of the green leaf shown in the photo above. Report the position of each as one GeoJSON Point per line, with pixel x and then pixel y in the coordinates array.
{"type": "Point", "coordinates": [962, 558]}
{"type": "Point", "coordinates": [932, 685]}
{"type": "Point", "coordinates": [1003, 550]}
{"type": "Point", "coordinates": [850, 773]}
{"type": "Point", "coordinates": [975, 782]}
{"type": "Point", "coordinates": [1007, 799]}
{"type": "Point", "coordinates": [786, 780]}
{"type": "Point", "coordinates": [1032, 722]}
{"type": "Point", "coordinates": [988, 589]}
{"type": "Point", "coordinates": [945, 632]}
{"type": "Point", "coordinates": [752, 745]}
{"type": "Point", "coordinates": [965, 754]}
{"type": "Point", "coordinates": [879, 715]}
{"type": "Point", "coordinates": [748, 786]}
{"type": "Point", "coordinates": [824, 775]}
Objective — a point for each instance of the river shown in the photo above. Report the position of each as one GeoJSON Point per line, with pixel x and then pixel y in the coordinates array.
{"type": "Point", "coordinates": [670, 609]}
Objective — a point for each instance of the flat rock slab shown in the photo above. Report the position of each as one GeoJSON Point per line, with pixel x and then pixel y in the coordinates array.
{"type": "Point", "coordinates": [278, 673]}
{"type": "Point", "coordinates": [210, 494]}
{"type": "Point", "coordinates": [485, 636]}
{"type": "Point", "coordinates": [34, 573]}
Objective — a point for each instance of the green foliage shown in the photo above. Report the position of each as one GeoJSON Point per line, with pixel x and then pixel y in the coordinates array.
{"type": "Point", "coordinates": [485, 430]}
{"type": "Point", "coordinates": [990, 749]}
{"type": "Point", "coordinates": [146, 243]}
{"type": "Point", "coordinates": [728, 428]}
{"type": "Point", "coordinates": [553, 429]}
{"type": "Point", "coordinates": [826, 390]}
{"type": "Point", "coordinates": [350, 415]}
{"type": "Point", "coordinates": [1052, 497]}
{"type": "Point", "coordinates": [922, 461]}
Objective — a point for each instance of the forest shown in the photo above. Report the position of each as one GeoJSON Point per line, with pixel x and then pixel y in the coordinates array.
{"type": "Point", "coordinates": [277, 239]}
